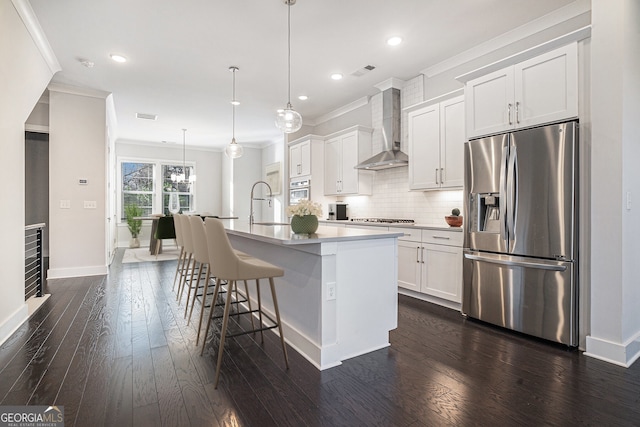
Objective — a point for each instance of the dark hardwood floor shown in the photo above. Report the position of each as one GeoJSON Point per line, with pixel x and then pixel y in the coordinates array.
{"type": "Point", "coordinates": [117, 351]}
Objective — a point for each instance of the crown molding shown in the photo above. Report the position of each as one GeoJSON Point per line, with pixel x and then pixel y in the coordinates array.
{"type": "Point", "coordinates": [31, 23]}
{"type": "Point", "coordinates": [340, 111]}
{"type": "Point", "coordinates": [77, 90]}
{"type": "Point", "coordinates": [549, 20]}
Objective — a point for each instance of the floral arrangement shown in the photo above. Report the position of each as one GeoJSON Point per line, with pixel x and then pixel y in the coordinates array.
{"type": "Point", "coordinates": [305, 207]}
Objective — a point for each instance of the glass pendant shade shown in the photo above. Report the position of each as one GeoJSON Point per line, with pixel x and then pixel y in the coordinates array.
{"type": "Point", "coordinates": [174, 203]}
{"type": "Point", "coordinates": [288, 120]}
{"type": "Point", "coordinates": [234, 150]}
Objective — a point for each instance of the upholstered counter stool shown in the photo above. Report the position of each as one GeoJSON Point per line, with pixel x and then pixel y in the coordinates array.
{"type": "Point", "coordinates": [189, 267]}
{"type": "Point", "coordinates": [177, 220]}
{"type": "Point", "coordinates": [228, 265]}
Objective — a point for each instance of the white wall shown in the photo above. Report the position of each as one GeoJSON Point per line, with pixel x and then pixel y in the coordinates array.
{"type": "Point", "coordinates": [77, 149]}
{"type": "Point", "coordinates": [24, 78]}
{"type": "Point", "coordinates": [271, 154]}
{"type": "Point", "coordinates": [238, 176]}
{"type": "Point", "coordinates": [615, 108]}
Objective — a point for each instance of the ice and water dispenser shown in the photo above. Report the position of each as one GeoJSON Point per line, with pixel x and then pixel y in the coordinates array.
{"type": "Point", "coordinates": [484, 212]}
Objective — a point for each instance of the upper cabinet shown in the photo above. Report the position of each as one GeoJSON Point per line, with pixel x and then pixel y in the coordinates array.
{"type": "Point", "coordinates": [539, 90]}
{"type": "Point", "coordinates": [436, 136]}
{"type": "Point", "coordinates": [303, 153]}
{"type": "Point", "coordinates": [342, 151]}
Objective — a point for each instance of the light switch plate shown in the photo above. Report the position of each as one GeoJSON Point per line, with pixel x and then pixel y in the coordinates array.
{"type": "Point", "coordinates": [65, 204]}
{"type": "Point", "coordinates": [331, 291]}
{"type": "Point", "coordinates": [90, 204]}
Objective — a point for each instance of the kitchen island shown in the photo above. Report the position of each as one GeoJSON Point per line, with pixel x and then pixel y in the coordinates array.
{"type": "Point", "coordinates": [338, 296]}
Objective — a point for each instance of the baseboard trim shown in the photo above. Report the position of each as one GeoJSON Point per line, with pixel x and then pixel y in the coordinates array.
{"type": "Point", "coordinates": [63, 273]}
{"type": "Point", "coordinates": [13, 322]}
{"type": "Point", "coordinates": [621, 354]}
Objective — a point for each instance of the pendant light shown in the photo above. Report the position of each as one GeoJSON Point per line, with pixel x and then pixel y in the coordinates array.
{"type": "Point", "coordinates": [289, 120]}
{"type": "Point", "coordinates": [183, 176]}
{"type": "Point", "coordinates": [233, 150]}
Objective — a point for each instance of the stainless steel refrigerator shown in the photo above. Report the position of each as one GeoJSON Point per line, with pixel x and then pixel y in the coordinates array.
{"type": "Point", "coordinates": [520, 256]}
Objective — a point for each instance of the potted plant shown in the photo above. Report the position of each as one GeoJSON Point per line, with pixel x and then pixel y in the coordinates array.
{"type": "Point", "coordinates": [454, 220]}
{"type": "Point", "coordinates": [304, 216]}
{"type": "Point", "coordinates": [135, 225]}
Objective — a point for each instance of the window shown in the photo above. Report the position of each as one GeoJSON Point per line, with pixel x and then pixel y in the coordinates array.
{"type": "Point", "coordinates": [183, 187]}
{"type": "Point", "coordinates": [147, 183]}
{"type": "Point", "coordinates": [138, 186]}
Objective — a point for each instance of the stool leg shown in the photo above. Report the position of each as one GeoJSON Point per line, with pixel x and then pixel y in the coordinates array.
{"type": "Point", "coordinates": [184, 279]}
{"type": "Point", "coordinates": [275, 307]}
{"type": "Point", "coordinates": [223, 332]}
{"type": "Point", "coordinates": [186, 308]}
{"type": "Point", "coordinates": [204, 302]}
{"type": "Point", "coordinates": [213, 307]}
{"type": "Point", "coordinates": [195, 291]}
{"type": "Point", "coordinates": [157, 247]}
{"type": "Point", "coordinates": [259, 310]}
{"type": "Point", "coordinates": [246, 289]}
{"type": "Point", "coordinates": [178, 268]}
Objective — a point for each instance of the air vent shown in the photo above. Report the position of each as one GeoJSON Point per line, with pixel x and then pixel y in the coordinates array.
{"type": "Point", "coordinates": [362, 71]}
{"type": "Point", "coordinates": [146, 116]}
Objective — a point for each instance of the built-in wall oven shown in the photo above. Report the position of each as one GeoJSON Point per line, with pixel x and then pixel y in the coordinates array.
{"type": "Point", "coordinates": [299, 189]}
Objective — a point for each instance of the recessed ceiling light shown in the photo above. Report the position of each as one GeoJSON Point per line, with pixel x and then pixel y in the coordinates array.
{"type": "Point", "coordinates": [336, 76]}
{"type": "Point", "coordinates": [118, 58]}
{"type": "Point", "coordinates": [394, 41]}
{"type": "Point", "coordinates": [303, 97]}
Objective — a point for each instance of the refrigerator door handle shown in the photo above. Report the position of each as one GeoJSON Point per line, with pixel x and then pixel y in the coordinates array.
{"type": "Point", "coordinates": [512, 200]}
{"type": "Point", "coordinates": [503, 192]}
{"type": "Point", "coordinates": [512, 263]}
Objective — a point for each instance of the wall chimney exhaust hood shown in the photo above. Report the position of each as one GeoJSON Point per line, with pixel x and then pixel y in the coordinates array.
{"type": "Point", "coordinates": [391, 156]}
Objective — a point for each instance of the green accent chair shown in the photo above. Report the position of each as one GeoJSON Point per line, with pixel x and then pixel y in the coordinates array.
{"type": "Point", "coordinates": [165, 230]}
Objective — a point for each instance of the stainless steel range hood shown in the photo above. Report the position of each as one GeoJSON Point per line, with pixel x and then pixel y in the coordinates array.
{"type": "Point", "coordinates": [391, 156]}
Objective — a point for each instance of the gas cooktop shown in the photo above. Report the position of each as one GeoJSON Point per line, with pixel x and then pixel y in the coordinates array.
{"type": "Point", "coordinates": [384, 220]}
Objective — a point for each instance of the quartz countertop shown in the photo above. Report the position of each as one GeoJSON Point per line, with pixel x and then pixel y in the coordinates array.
{"type": "Point", "coordinates": [394, 225]}
{"type": "Point", "coordinates": [280, 233]}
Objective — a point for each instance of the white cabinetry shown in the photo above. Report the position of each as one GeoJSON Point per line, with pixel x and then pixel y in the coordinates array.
{"type": "Point", "coordinates": [539, 90]}
{"type": "Point", "coordinates": [430, 262]}
{"type": "Point", "coordinates": [342, 151]}
{"type": "Point", "coordinates": [305, 156]}
{"type": "Point", "coordinates": [436, 133]}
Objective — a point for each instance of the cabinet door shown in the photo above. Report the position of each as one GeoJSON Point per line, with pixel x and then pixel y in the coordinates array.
{"type": "Point", "coordinates": [489, 103]}
{"type": "Point", "coordinates": [332, 162]}
{"type": "Point", "coordinates": [452, 139]}
{"type": "Point", "coordinates": [546, 87]}
{"type": "Point", "coordinates": [424, 147]}
{"type": "Point", "coordinates": [409, 265]}
{"type": "Point", "coordinates": [442, 272]}
{"type": "Point", "coordinates": [349, 175]}
{"type": "Point", "coordinates": [294, 161]}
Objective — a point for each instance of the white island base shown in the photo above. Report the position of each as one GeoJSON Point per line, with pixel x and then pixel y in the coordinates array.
{"type": "Point", "coordinates": [338, 296]}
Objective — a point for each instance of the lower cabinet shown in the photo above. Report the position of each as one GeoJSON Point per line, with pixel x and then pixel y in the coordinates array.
{"type": "Point", "coordinates": [430, 262]}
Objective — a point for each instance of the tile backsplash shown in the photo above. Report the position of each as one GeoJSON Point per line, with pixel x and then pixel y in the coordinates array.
{"type": "Point", "coordinates": [391, 196]}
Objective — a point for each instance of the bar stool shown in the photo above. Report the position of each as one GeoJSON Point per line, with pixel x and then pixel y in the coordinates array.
{"type": "Point", "coordinates": [201, 253]}
{"type": "Point", "coordinates": [182, 257]}
{"type": "Point", "coordinates": [188, 270]}
{"type": "Point", "coordinates": [227, 265]}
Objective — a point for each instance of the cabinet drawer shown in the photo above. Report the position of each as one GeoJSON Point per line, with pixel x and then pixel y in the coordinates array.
{"type": "Point", "coordinates": [410, 234]}
{"type": "Point", "coordinates": [442, 237]}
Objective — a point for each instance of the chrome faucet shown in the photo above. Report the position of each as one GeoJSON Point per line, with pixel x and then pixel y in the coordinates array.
{"type": "Point", "coordinates": [254, 198]}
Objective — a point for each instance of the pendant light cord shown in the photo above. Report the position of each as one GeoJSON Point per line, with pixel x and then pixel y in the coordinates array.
{"type": "Point", "coordinates": [233, 108]}
{"type": "Point", "coordinates": [184, 151]}
{"type": "Point", "coordinates": [289, 52]}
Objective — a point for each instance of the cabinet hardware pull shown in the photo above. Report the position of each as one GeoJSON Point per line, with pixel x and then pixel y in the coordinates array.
{"type": "Point", "coordinates": [418, 254]}
{"type": "Point", "coordinates": [509, 113]}
{"type": "Point", "coordinates": [441, 173]}
{"type": "Point", "coordinates": [422, 255]}
{"type": "Point", "coordinates": [518, 112]}
{"type": "Point", "coordinates": [437, 176]}
{"type": "Point", "coordinates": [440, 237]}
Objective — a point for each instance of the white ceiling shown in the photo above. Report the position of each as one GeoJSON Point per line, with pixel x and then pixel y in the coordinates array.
{"type": "Point", "coordinates": [179, 53]}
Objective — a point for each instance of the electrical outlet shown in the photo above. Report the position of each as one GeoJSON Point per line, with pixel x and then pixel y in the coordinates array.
{"type": "Point", "coordinates": [331, 291]}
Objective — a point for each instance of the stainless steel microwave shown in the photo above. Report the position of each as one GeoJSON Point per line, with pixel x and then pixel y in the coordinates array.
{"type": "Point", "coordinates": [299, 189]}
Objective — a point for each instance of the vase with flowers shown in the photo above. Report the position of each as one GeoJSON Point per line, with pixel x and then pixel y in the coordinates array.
{"type": "Point", "coordinates": [304, 216]}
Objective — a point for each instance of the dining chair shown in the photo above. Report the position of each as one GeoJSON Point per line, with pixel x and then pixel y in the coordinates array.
{"type": "Point", "coordinates": [164, 230]}
{"type": "Point", "coordinates": [228, 265]}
